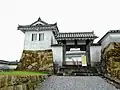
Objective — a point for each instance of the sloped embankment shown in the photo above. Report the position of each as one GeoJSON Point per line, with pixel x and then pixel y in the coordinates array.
{"type": "Point", "coordinates": [38, 60]}
{"type": "Point", "coordinates": [111, 60]}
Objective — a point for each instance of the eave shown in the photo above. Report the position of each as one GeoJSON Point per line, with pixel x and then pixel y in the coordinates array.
{"type": "Point", "coordinates": [110, 31]}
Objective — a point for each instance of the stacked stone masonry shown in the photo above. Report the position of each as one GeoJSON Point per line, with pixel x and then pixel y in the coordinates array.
{"type": "Point", "coordinates": [110, 59]}
{"type": "Point", "coordinates": [36, 61]}
{"type": "Point", "coordinates": [20, 82]}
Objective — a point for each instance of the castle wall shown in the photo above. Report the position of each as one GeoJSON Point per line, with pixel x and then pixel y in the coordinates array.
{"type": "Point", "coordinates": [36, 60]}
{"type": "Point", "coordinates": [38, 45]}
{"type": "Point", "coordinates": [95, 54]}
{"type": "Point", "coordinates": [57, 55]}
{"type": "Point", "coordinates": [111, 37]}
{"type": "Point", "coordinates": [23, 82]}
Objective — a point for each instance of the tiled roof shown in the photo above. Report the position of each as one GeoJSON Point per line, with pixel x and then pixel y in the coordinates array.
{"type": "Point", "coordinates": [29, 27]}
{"type": "Point", "coordinates": [110, 31]}
{"type": "Point", "coordinates": [76, 36]}
{"type": "Point", "coordinates": [38, 25]}
{"type": "Point", "coordinates": [41, 25]}
{"type": "Point", "coordinates": [114, 31]}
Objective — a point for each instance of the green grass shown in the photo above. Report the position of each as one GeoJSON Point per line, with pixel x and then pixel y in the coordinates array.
{"type": "Point", "coordinates": [19, 73]}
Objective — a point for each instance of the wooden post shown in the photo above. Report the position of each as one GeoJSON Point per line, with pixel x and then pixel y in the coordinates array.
{"type": "Point", "coordinates": [75, 43]}
{"type": "Point", "coordinates": [88, 52]}
{"type": "Point", "coordinates": [64, 52]}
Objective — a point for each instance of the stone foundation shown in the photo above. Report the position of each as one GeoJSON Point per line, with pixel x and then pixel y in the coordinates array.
{"type": "Point", "coordinates": [20, 82]}
{"type": "Point", "coordinates": [110, 60]}
{"type": "Point", "coordinates": [36, 61]}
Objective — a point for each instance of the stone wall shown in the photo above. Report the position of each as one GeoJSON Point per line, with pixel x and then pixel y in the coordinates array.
{"type": "Point", "coordinates": [20, 82]}
{"type": "Point", "coordinates": [36, 61]}
{"type": "Point", "coordinates": [110, 60]}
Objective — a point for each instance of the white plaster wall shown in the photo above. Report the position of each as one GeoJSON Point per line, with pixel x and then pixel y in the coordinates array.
{"type": "Point", "coordinates": [111, 37]}
{"type": "Point", "coordinates": [38, 45]}
{"type": "Point", "coordinates": [115, 37]}
{"type": "Point", "coordinates": [54, 40]}
{"type": "Point", "coordinates": [5, 66]}
{"type": "Point", "coordinates": [105, 41]}
{"type": "Point", "coordinates": [58, 54]}
{"type": "Point", "coordinates": [95, 54]}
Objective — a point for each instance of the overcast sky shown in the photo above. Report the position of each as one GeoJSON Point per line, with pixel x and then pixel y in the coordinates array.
{"type": "Point", "coordinates": [71, 16]}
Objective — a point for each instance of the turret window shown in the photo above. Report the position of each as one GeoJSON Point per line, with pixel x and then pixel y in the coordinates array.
{"type": "Point", "coordinates": [41, 36]}
{"type": "Point", "coordinates": [34, 37]}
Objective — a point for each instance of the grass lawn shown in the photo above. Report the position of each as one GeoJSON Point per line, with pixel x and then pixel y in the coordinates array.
{"type": "Point", "coordinates": [19, 73]}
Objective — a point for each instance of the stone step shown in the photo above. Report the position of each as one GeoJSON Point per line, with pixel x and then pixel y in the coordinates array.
{"type": "Point", "coordinates": [85, 74]}
{"type": "Point", "coordinates": [77, 74]}
{"type": "Point", "coordinates": [79, 70]}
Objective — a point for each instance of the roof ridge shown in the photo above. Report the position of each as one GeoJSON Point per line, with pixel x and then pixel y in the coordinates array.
{"type": "Point", "coordinates": [39, 20]}
{"type": "Point", "coordinates": [114, 31]}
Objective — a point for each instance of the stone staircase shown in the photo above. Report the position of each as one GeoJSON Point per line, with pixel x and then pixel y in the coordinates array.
{"type": "Point", "coordinates": [77, 71]}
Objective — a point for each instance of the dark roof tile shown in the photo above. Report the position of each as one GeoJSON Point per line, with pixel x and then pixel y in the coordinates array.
{"type": "Point", "coordinates": [76, 35]}
{"type": "Point", "coordinates": [38, 24]}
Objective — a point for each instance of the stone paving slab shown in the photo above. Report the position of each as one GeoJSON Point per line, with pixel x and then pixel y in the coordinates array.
{"type": "Point", "coordinates": [75, 83]}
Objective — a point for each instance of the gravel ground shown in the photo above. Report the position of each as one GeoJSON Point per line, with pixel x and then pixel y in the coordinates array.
{"type": "Point", "coordinates": [75, 83]}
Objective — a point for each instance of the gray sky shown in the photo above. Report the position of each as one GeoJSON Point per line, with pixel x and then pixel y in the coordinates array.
{"type": "Point", "coordinates": [71, 16]}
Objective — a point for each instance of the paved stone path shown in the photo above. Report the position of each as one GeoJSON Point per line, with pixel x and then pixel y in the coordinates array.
{"type": "Point", "coordinates": [76, 83]}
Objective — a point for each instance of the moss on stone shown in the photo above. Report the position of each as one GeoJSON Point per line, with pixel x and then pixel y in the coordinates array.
{"type": "Point", "coordinates": [36, 61]}
{"type": "Point", "coordinates": [111, 59]}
